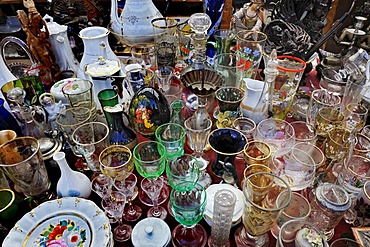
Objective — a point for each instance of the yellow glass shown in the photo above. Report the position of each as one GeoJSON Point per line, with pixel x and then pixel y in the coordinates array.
{"type": "Point", "coordinates": [327, 119]}
{"type": "Point", "coordinates": [116, 160]}
{"type": "Point", "coordinates": [257, 152]}
{"type": "Point", "coordinates": [337, 145]}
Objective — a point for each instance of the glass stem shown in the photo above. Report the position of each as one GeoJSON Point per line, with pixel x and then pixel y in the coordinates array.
{"type": "Point", "coordinates": [156, 211]}
{"type": "Point", "coordinates": [131, 208]}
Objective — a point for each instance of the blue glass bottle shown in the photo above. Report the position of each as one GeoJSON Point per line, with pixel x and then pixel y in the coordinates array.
{"type": "Point", "coordinates": [7, 121]}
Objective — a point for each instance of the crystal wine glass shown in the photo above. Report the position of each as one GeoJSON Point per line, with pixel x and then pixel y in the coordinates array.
{"type": "Point", "coordinates": [165, 77]}
{"type": "Point", "coordinates": [153, 187]}
{"type": "Point", "coordinates": [114, 204]}
{"type": "Point", "coordinates": [188, 202]}
{"type": "Point", "coordinates": [102, 185]}
{"type": "Point", "coordinates": [127, 185]}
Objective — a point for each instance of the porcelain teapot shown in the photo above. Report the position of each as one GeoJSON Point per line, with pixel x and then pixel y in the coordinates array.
{"type": "Point", "coordinates": [134, 23]}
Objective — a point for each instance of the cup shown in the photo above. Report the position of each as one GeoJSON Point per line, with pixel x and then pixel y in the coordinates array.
{"type": "Point", "coordinates": [229, 99]}
{"type": "Point", "coordinates": [231, 68]}
{"type": "Point", "coordinates": [304, 132]}
{"type": "Point", "coordinates": [355, 116]}
{"type": "Point", "coordinates": [9, 204]}
{"type": "Point", "coordinates": [21, 160]}
{"type": "Point", "coordinates": [245, 125]}
{"type": "Point", "coordinates": [138, 78]}
{"type": "Point", "coordinates": [108, 97]}
{"type": "Point", "coordinates": [185, 42]}
{"type": "Point", "coordinates": [116, 160]}
{"type": "Point", "coordinates": [337, 145]}
{"type": "Point", "coordinates": [257, 152]}
{"type": "Point", "coordinates": [362, 205]}
{"type": "Point", "coordinates": [165, 77]}
{"type": "Point", "coordinates": [332, 81]}
{"type": "Point", "coordinates": [145, 55]}
{"type": "Point", "coordinates": [225, 39]}
{"type": "Point", "coordinates": [355, 90]}
{"type": "Point", "coordinates": [172, 136]}
{"type": "Point", "coordinates": [7, 135]}
{"type": "Point", "coordinates": [327, 119]}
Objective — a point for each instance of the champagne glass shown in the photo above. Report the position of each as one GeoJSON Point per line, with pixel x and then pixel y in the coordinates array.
{"type": "Point", "coordinates": [150, 162]}
{"type": "Point", "coordinates": [127, 185]}
{"type": "Point", "coordinates": [153, 187]}
{"type": "Point", "coordinates": [261, 191]}
{"type": "Point", "coordinates": [188, 202]}
{"type": "Point", "coordinates": [114, 204]}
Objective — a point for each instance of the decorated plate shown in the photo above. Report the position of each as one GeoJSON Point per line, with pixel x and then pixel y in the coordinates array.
{"type": "Point", "coordinates": [63, 222]}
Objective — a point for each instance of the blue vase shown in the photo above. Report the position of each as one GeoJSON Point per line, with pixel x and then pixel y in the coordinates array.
{"type": "Point", "coordinates": [7, 121]}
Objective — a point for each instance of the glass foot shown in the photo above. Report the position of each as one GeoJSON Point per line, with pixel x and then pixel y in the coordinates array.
{"type": "Point", "coordinates": [132, 214]}
{"type": "Point", "coordinates": [144, 198]}
{"type": "Point", "coordinates": [183, 236]}
{"type": "Point", "coordinates": [122, 233]}
{"type": "Point", "coordinates": [160, 213]}
{"type": "Point", "coordinates": [243, 239]}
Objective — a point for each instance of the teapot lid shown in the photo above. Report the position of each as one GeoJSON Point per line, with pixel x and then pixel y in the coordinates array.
{"type": "Point", "coordinates": [102, 67]}
{"type": "Point", "coordinates": [151, 232]}
{"type": "Point", "coordinates": [53, 27]}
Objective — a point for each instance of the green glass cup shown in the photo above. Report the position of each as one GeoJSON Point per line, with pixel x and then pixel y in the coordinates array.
{"type": "Point", "coordinates": [172, 136]}
{"type": "Point", "coordinates": [150, 159]}
{"type": "Point", "coordinates": [9, 204]}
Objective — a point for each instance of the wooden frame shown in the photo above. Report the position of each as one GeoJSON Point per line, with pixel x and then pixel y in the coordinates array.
{"type": "Point", "coordinates": [362, 235]}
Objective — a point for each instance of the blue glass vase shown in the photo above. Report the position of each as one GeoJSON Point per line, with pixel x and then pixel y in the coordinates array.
{"type": "Point", "coordinates": [7, 121]}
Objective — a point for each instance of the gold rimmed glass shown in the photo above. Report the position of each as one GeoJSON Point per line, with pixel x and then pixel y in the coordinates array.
{"type": "Point", "coordinates": [116, 160]}
{"type": "Point", "coordinates": [257, 152]}
{"type": "Point", "coordinates": [355, 116]}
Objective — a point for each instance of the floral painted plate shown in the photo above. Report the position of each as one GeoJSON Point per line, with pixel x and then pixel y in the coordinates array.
{"type": "Point", "coordinates": [63, 222]}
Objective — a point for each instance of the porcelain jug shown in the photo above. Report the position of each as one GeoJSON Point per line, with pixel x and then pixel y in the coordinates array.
{"type": "Point", "coordinates": [255, 102]}
{"type": "Point", "coordinates": [134, 23]}
{"type": "Point", "coordinates": [62, 48]}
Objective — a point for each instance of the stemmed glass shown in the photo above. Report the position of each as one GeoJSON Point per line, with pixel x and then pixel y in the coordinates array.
{"type": "Point", "coordinates": [165, 77]}
{"type": "Point", "coordinates": [102, 185]}
{"type": "Point", "coordinates": [188, 202]}
{"type": "Point", "coordinates": [197, 135]}
{"type": "Point", "coordinates": [150, 162]}
{"type": "Point", "coordinates": [152, 188]}
{"type": "Point", "coordinates": [127, 185]}
{"type": "Point", "coordinates": [114, 204]}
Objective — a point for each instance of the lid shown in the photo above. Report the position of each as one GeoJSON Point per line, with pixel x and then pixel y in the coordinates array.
{"type": "Point", "coordinates": [333, 197]}
{"type": "Point", "coordinates": [102, 67]}
{"type": "Point", "coordinates": [53, 27]}
{"type": "Point", "coordinates": [211, 192]}
{"type": "Point", "coordinates": [151, 232]}
{"type": "Point", "coordinates": [49, 147]}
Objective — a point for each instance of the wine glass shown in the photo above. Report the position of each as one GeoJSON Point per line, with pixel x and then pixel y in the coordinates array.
{"type": "Point", "coordinates": [172, 136]}
{"type": "Point", "coordinates": [114, 204]}
{"type": "Point", "coordinates": [127, 185]}
{"type": "Point", "coordinates": [165, 77]}
{"type": "Point", "coordinates": [102, 185]}
{"type": "Point", "coordinates": [355, 116]}
{"type": "Point", "coordinates": [261, 191]}
{"type": "Point", "coordinates": [153, 187]}
{"type": "Point", "coordinates": [188, 202]}
{"type": "Point", "coordinates": [150, 162]}
{"type": "Point", "coordinates": [116, 160]}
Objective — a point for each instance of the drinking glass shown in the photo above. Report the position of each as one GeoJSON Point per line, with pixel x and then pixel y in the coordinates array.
{"type": "Point", "coordinates": [225, 39]}
{"type": "Point", "coordinates": [116, 160]}
{"type": "Point", "coordinates": [338, 144]}
{"type": "Point", "coordinates": [276, 133]}
{"type": "Point", "coordinates": [150, 162]}
{"type": "Point", "coordinates": [127, 185]}
{"type": "Point", "coordinates": [91, 139]}
{"type": "Point", "coordinates": [102, 185]}
{"type": "Point", "coordinates": [294, 166]}
{"type": "Point", "coordinates": [231, 67]}
{"type": "Point", "coordinates": [172, 137]}
{"type": "Point", "coordinates": [188, 202]}
{"type": "Point", "coordinates": [251, 169]}
{"type": "Point", "coordinates": [261, 191]}
{"type": "Point", "coordinates": [298, 209]}
{"type": "Point", "coordinates": [181, 169]}
{"type": "Point", "coordinates": [362, 145]}
{"type": "Point", "coordinates": [108, 97]}
{"type": "Point", "coordinates": [138, 78]}
{"type": "Point", "coordinates": [356, 88]}
{"type": "Point", "coordinates": [327, 119]}
{"type": "Point", "coordinates": [332, 81]}
{"type": "Point", "coordinates": [304, 132]}
{"type": "Point", "coordinates": [320, 99]}
{"type": "Point", "coordinates": [362, 205]}
{"type": "Point", "coordinates": [345, 242]}
{"type": "Point", "coordinates": [114, 205]}
{"type": "Point", "coordinates": [7, 135]}
{"type": "Point", "coordinates": [245, 125]}
{"type": "Point", "coordinates": [315, 153]}
{"type": "Point", "coordinates": [355, 116]}
{"type": "Point", "coordinates": [153, 187]}
{"type": "Point", "coordinates": [165, 77]}
{"type": "Point", "coordinates": [22, 162]}
{"type": "Point", "coordinates": [366, 130]}
{"type": "Point", "coordinates": [257, 152]}
{"type": "Point", "coordinates": [145, 55]}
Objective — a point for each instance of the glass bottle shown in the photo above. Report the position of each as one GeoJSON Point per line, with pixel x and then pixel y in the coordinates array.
{"type": "Point", "coordinates": [176, 116]}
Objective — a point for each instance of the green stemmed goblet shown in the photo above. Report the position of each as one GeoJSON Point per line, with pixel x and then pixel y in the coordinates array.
{"type": "Point", "coordinates": [188, 202]}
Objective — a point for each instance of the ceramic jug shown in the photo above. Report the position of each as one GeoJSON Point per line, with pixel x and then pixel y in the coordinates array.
{"type": "Point", "coordinates": [134, 23]}
{"type": "Point", "coordinates": [255, 103]}
{"type": "Point", "coordinates": [71, 183]}
{"type": "Point", "coordinates": [62, 48]}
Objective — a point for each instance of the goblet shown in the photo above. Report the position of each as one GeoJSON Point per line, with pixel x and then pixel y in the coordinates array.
{"type": "Point", "coordinates": [102, 185]}
{"type": "Point", "coordinates": [294, 166]}
{"type": "Point", "coordinates": [91, 139]}
{"type": "Point", "coordinates": [327, 119]}
{"type": "Point", "coordinates": [150, 162]}
{"type": "Point", "coordinates": [153, 187]}
{"type": "Point", "coordinates": [116, 160]}
{"type": "Point", "coordinates": [144, 54]}
{"type": "Point", "coordinates": [188, 202]}
{"type": "Point", "coordinates": [338, 144]}
{"type": "Point", "coordinates": [304, 132]}
{"type": "Point", "coordinates": [114, 205]}
{"type": "Point", "coordinates": [229, 99]}
{"type": "Point", "coordinates": [172, 136]}
{"type": "Point", "coordinates": [276, 133]}
{"type": "Point", "coordinates": [257, 152]}
{"type": "Point", "coordinates": [355, 116]}
{"type": "Point", "coordinates": [165, 77]}
{"type": "Point", "coordinates": [181, 169]}
{"type": "Point", "coordinates": [127, 185]}
{"type": "Point", "coordinates": [261, 190]}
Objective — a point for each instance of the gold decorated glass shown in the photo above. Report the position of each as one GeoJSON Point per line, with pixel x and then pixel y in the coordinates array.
{"type": "Point", "coordinates": [116, 160]}
{"type": "Point", "coordinates": [257, 152]}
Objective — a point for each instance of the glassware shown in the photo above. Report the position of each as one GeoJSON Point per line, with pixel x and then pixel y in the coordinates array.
{"type": "Point", "coordinates": [176, 115]}
{"type": "Point", "coordinates": [150, 162]}
{"type": "Point", "coordinates": [294, 166]}
{"type": "Point", "coordinates": [172, 136]}
{"type": "Point", "coordinates": [165, 77]}
{"type": "Point", "coordinates": [366, 130]}
{"type": "Point", "coordinates": [225, 39]}
{"type": "Point", "coordinates": [126, 183]}
{"type": "Point", "coordinates": [315, 153]}
{"type": "Point", "coordinates": [231, 67]}
{"type": "Point", "coordinates": [250, 46]}
{"type": "Point", "coordinates": [185, 44]}
{"type": "Point", "coordinates": [173, 93]}
{"type": "Point", "coordinates": [68, 120]}
{"type": "Point", "coordinates": [338, 144]}
{"type": "Point", "coordinates": [80, 93]}
{"type": "Point", "coordinates": [304, 132]}
{"type": "Point", "coordinates": [327, 119]}
{"type": "Point", "coordinates": [361, 207]}
{"type": "Point", "coordinates": [260, 212]}
{"type": "Point", "coordinates": [328, 206]}
{"type": "Point", "coordinates": [332, 81]}
{"type": "Point", "coordinates": [355, 116]}
{"type": "Point", "coordinates": [181, 169]}
{"type": "Point", "coordinates": [362, 146]}
{"type": "Point", "coordinates": [145, 55]}
{"type": "Point", "coordinates": [116, 160]}
{"type": "Point", "coordinates": [356, 88]}
{"type": "Point", "coordinates": [7, 135]}
{"type": "Point", "coordinates": [102, 185]}
{"type": "Point", "coordinates": [91, 139]}
{"type": "Point", "coordinates": [276, 133]}
{"type": "Point", "coordinates": [164, 29]}
{"type": "Point", "coordinates": [21, 160]}
{"type": "Point", "coordinates": [188, 202]}
{"type": "Point", "coordinates": [153, 187]}
{"type": "Point", "coordinates": [7, 121]}
{"type": "Point", "coordinates": [108, 97]}
{"type": "Point", "coordinates": [229, 99]}
{"type": "Point", "coordinates": [298, 209]}
{"type": "Point", "coordinates": [345, 242]}
{"type": "Point", "coordinates": [227, 143]}
{"type": "Point", "coordinates": [114, 204]}
{"type": "Point", "coordinates": [138, 78]}
{"type": "Point", "coordinates": [223, 211]}
{"type": "Point", "coordinates": [283, 89]}
{"type": "Point", "coordinates": [245, 125]}
{"type": "Point", "coordinates": [257, 152]}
